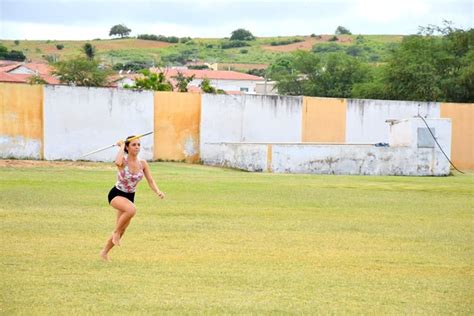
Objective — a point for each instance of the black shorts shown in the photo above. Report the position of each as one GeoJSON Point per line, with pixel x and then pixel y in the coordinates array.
{"type": "Point", "coordinates": [116, 192]}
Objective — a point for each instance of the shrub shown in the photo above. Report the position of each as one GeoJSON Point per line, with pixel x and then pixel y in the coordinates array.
{"type": "Point", "coordinates": [59, 46]}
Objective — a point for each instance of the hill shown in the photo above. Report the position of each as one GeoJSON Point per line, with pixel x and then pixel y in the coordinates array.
{"type": "Point", "coordinates": [258, 53]}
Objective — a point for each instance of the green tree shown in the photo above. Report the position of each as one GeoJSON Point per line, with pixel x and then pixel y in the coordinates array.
{"type": "Point", "coordinates": [305, 73]}
{"type": "Point", "coordinates": [89, 50]}
{"type": "Point", "coordinates": [81, 71]}
{"type": "Point", "coordinates": [241, 35]}
{"type": "Point", "coordinates": [152, 81]}
{"type": "Point", "coordinates": [340, 30]}
{"type": "Point", "coordinates": [206, 86]}
{"type": "Point", "coordinates": [182, 81]}
{"type": "Point", "coordinates": [36, 79]}
{"type": "Point", "coordinates": [119, 29]}
{"type": "Point", "coordinates": [435, 65]}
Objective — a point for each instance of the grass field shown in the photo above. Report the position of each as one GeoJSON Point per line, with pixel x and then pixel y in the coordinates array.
{"type": "Point", "coordinates": [230, 242]}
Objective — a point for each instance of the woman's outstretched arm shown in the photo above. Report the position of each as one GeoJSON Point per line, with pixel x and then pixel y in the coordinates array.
{"type": "Point", "coordinates": [150, 180]}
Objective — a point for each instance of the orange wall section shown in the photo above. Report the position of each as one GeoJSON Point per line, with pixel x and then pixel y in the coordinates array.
{"type": "Point", "coordinates": [21, 111]}
{"type": "Point", "coordinates": [324, 120]}
{"type": "Point", "coordinates": [177, 119]}
{"type": "Point", "coordinates": [462, 144]}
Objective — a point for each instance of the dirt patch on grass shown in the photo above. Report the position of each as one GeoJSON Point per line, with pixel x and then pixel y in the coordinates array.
{"type": "Point", "coordinates": [129, 44]}
{"type": "Point", "coordinates": [308, 43]}
{"type": "Point", "coordinates": [13, 163]}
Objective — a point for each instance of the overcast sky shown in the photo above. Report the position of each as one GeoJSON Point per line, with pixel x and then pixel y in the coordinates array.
{"type": "Point", "coordinates": [87, 19]}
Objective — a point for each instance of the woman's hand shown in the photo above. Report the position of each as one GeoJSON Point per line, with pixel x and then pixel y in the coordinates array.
{"type": "Point", "coordinates": [121, 144]}
{"type": "Point", "coordinates": [160, 194]}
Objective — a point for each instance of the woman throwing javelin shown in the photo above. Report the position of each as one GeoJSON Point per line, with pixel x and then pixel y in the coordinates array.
{"type": "Point", "coordinates": [131, 170]}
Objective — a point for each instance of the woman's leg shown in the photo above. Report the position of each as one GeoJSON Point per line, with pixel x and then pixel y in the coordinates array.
{"type": "Point", "coordinates": [125, 211]}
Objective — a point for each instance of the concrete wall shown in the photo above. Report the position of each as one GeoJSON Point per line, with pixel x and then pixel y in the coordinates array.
{"type": "Point", "coordinates": [324, 120]}
{"type": "Point", "coordinates": [365, 119]}
{"type": "Point", "coordinates": [250, 118]}
{"type": "Point", "coordinates": [408, 154]}
{"type": "Point", "coordinates": [176, 121]}
{"type": "Point", "coordinates": [78, 120]}
{"type": "Point", "coordinates": [462, 117]}
{"type": "Point", "coordinates": [21, 122]}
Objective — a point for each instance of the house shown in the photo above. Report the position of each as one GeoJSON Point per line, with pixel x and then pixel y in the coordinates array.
{"type": "Point", "coordinates": [231, 82]}
{"type": "Point", "coordinates": [22, 72]}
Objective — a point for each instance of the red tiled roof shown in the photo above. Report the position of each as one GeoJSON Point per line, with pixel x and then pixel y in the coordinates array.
{"type": "Point", "coordinates": [209, 74]}
{"type": "Point", "coordinates": [23, 78]}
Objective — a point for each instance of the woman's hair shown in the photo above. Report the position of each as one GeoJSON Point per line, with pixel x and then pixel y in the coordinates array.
{"type": "Point", "coordinates": [127, 142]}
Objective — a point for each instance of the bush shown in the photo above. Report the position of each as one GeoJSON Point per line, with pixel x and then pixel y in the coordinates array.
{"type": "Point", "coordinates": [244, 51]}
{"type": "Point", "coordinates": [333, 39]}
{"type": "Point", "coordinates": [160, 38]}
{"type": "Point", "coordinates": [234, 44]}
{"type": "Point", "coordinates": [59, 46]}
{"type": "Point", "coordinates": [12, 55]}
{"type": "Point", "coordinates": [286, 42]}
{"type": "Point", "coordinates": [17, 42]}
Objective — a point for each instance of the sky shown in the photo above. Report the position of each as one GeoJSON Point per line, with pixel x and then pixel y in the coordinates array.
{"type": "Point", "coordinates": [87, 19]}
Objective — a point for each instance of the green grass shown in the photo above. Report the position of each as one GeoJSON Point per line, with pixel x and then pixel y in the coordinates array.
{"type": "Point", "coordinates": [113, 51]}
{"type": "Point", "coordinates": [230, 242]}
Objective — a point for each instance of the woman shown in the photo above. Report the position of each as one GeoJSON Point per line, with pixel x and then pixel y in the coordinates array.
{"type": "Point", "coordinates": [131, 170]}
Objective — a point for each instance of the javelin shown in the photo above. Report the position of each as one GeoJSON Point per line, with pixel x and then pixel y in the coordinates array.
{"type": "Point", "coordinates": [104, 148]}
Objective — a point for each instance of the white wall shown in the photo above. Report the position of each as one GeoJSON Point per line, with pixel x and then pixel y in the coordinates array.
{"type": "Point", "coordinates": [249, 118]}
{"type": "Point", "coordinates": [19, 147]}
{"type": "Point", "coordinates": [365, 119]}
{"type": "Point", "coordinates": [78, 120]}
{"type": "Point", "coordinates": [403, 157]}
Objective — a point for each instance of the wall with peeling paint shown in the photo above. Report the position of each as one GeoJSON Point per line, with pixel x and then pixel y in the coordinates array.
{"type": "Point", "coordinates": [249, 118]}
{"type": "Point", "coordinates": [403, 157]}
{"type": "Point", "coordinates": [78, 120]}
{"type": "Point", "coordinates": [365, 119]}
{"type": "Point", "coordinates": [462, 117]}
{"type": "Point", "coordinates": [324, 120]}
{"type": "Point", "coordinates": [176, 121]}
{"type": "Point", "coordinates": [21, 123]}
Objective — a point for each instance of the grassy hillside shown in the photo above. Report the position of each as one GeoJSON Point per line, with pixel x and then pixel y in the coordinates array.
{"type": "Point", "coordinates": [261, 51]}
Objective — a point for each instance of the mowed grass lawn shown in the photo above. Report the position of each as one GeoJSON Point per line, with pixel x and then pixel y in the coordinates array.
{"type": "Point", "coordinates": [231, 242]}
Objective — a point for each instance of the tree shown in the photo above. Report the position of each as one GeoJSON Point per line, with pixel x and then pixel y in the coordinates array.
{"type": "Point", "coordinates": [305, 73]}
{"type": "Point", "coordinates": [36, 79]}
{"type": "Point", "coordinates": [151, 81]}
{"type": "Point", "coordinates": [182, 82]}
{"type": "Point", "coordinates": [80, 71]}
{"type": "Point", "coordinates": [89, 50]}
{"type": "Point", "coordinates": [427, 67]}
{"type": "Point", "coordinates": [119, 29]}
{"type": "Point", "coordinates": [206, 86]}
{"type": "Point", "coordinates": [241, 35]}
{"type": "Point", "coordinates": [342, 30]}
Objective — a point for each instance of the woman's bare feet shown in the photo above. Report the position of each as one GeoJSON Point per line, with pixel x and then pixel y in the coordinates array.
{"type": "Point", "coordinates": [104, 256]}
{"type": "Point", "coordinates": [116, 238]}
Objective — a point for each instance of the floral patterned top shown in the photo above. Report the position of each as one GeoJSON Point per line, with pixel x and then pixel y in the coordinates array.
{"type": "Point", "coordinates": [126, 180]}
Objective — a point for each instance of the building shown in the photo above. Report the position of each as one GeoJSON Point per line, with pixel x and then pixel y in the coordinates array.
{"type": "Point", "coordinates": [20, 72]}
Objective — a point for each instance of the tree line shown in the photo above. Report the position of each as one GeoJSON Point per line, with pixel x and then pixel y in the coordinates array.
{"type": "Point", "coordinates": [437, 64]}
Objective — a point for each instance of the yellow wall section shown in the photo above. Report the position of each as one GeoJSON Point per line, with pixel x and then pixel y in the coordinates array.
{"type": "Point", "coordinates": [462, 145]}
{"type": "Point", "coordinates": [21, 108]}
{"type": "Point", "coordinates": [324, 120]}
{"type": "Point", "coordinates": [177, 119]}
